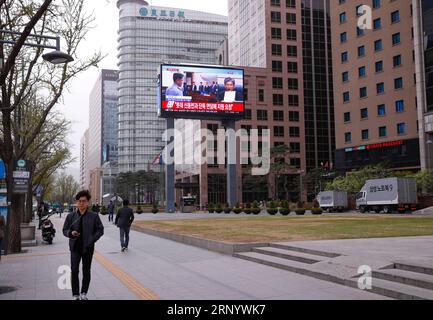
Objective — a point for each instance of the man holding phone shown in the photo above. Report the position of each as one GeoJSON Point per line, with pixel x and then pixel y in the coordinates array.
{"type": "Point", "coordinates": [83, 228]}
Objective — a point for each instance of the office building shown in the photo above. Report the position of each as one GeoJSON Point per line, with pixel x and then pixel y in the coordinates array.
{"type": "Point", "coordinates": [375, 85]}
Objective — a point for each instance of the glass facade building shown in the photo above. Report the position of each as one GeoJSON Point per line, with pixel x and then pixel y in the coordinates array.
{"type": "Point", "coordinates": [148, 37]}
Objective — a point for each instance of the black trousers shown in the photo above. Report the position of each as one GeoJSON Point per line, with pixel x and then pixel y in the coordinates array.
{"type": "Point", "coordinates": [76, 257]}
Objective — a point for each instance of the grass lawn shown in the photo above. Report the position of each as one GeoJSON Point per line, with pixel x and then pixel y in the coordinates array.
{"type": "Point", "coordinates": [271, 229]}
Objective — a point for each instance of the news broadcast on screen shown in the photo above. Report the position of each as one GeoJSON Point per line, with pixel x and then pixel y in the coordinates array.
{"type": "Point", "coordinates": [201, 91]}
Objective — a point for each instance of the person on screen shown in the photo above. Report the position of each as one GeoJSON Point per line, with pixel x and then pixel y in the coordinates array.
{"type": "Point", "coordinates": [201, 88]}
{"type": "Point", "coordinates": [194, 87]}
{"type": "Point", "coordinates": [214, 89]}
{"type": "Point", "coordinates": [229, 94]}
{"type": "Point", "coordinates": [176, 90]}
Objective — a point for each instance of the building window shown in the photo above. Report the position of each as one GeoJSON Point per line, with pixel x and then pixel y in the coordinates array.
{"type": "Point", "coordinates": [292, 51]}
{"type": "Point", "coordinates": [291, 34]}
{"type": "Point", "coordinates": [345, 76]}
{"type": "Point", "coordinates": [293, 84]}
{"type": "Point", "coordinates": [348, 137]}
{"type": "Point", "coordinates": [365, 134]}
{"type": "Point", "coordinates": [397, 61]}
{"type": "Point", "coordinates": [292, 67]}
{"type": "Point", "coordinates": [361, 51]}
{"type": "Point", "coordinates": [377, 24]}
{"type": "Point", "coordinates": [262, 115]}
{"type": "Point", "coordinates": [277, 66]}
{"type": "Point", "coordinates": [396, 38]}
{"type": "Point", "coordinates": [291, 18]}
{"type": "Point", "coordinates": [363, 92]}
{"type": "Point", "coordinates": [364, 113]}
{"type": "Point", "coordinates": [275, 17]}
{"type": "Point", "coordinates": [275, 3]}
{"type": "Point", "coordinates": [347, 117]}
{"type": "Point", "coordinates": [295, 162]}
{"type": "Point", "coordinates": [343, 17]}
{"type": "Point", "coordinates": [380, 88]}
{"type": "Point", "coordinates": [293, 100]}
{"type": "Point", "coordinates": [294, 116]}
{"type": "Point", "coordinates": [278, 99]}
{"type": "Point", "coordinates": [381, 110]}
{"type": "Point", "coordinates": [401, 128]}
{"type": "Point", "coordinates": [344, 57]}
{"type": "Point", "coordinates": [398, 83]}
{"type": "Point", "coordinates": [278, 131]}
{"type": "Point", "coordinates": [261, 95]}
{"type": "Point", "coordinates": [399, 106]}
{"type": "Point", "coordinates": [277, 83]}
{"type": "Point", "coordinates": [278, 115]}
{"type": "Point", "coordinates": [361, 72]}
{"type": "Point", "coordinates": [277, 50]}
{"type": "Point", "coordinates": [276, 33]}
{"type": "Point", "coordinates": [343, 37]}
{"type": "Point", "coordinates": [291, 3]}
{"type": "Point", "coordinates": [376, 4]}
{"type": "Point", "coordinates": [379, 66]}
{"type": "Point", "coordinates": [360, 31]}
{"type": "Point", "coordinates": [294, 132]}
{"type": "Point", "coordinates": [395, 16]}
{"type": "Point", "coordinates": [295, 147]}
{"type": "Point", "coordinates": [383, 132]}
{"type": "Point", "coordinates": [346, 96]}
{"type": "Point", "coordinates": [378, 45]}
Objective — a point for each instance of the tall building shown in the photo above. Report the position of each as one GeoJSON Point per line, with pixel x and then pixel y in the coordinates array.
{"type": "Point", "coordinates": [84, 171]}
{"type": "Point", "coordinates": [148, 37]}
{"type": "Point", "coordinates": [103, 128]}
{"type": "Point", "coordinates": [423, 33]}
{"type": "Point", "coordinates": [374, 85]}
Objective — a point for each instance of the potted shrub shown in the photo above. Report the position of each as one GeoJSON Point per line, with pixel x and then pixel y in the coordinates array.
{"type": "Point", "coordinates": [104, 211]}
{"type": "Point", "coordinates": [227, 209]}
{"type": "Point", "coordinates": [285, 208]}
{"type": "Point", "coordinates": [300, 210]}
{"type": "Point", "coordinates": [317, 211]}
{"type": "Point", "coordinates": [272, 210]}
{"type": "Point", "coordinates": [247, 209]}
{"type": "Point", "coordinates": [219, 208]}
{"type": "Point", "coordinates": [139, 210]}
{"type": "Point", "coordinates": [155, 208]}
{"type": "Point", "coordinates": [211, 208]}
{"type": "Point", "coordinates": [256, 208]}
{"type": "Point", "coordinates": [237, 209]}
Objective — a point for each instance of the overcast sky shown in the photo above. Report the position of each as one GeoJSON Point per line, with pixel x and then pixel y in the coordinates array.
{"type": "Point", "coordinates": [104, 37]}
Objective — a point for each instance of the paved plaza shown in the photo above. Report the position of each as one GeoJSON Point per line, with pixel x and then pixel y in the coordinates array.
{"type": "Point", "coordinates": [155, 268]}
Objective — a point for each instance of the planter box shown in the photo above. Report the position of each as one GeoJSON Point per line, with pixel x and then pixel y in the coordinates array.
{"type": "Point", "coordinates": [28, 232]}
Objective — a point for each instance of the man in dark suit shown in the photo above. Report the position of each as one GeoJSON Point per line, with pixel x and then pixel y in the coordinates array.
{"type": "Point", "coordinates": [214, 88]}
{"type": "Point", "coordinates": [83, 228]}
{"type": "Point", "coordinates": [124, 219]}
{"type": "Point", "coordinates": [201, 88]}
{"type": "Point", "coordinates": [194, 87]}
{"type": "Point", "coordinates": [230, 86]}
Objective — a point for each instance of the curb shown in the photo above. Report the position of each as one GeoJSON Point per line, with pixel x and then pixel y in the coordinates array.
{"type": "Point", "coordinates": [211, 245]}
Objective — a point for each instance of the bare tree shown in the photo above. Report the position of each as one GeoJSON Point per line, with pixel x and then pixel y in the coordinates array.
{"type": "Point", "coordinates": [23, 75]}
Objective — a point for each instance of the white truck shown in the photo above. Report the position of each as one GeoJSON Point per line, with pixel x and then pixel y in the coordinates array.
{"type": "Point", "coordinates": [388, 195]}
{"type": "Point", "coordinates": [333, 200]}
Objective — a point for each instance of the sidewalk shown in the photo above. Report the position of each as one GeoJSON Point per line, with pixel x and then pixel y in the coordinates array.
{"type": "Point", "coordinates": [157, 268]}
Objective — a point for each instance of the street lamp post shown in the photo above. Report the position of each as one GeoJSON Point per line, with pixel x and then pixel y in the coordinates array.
{"type": "Point", "coordinates": [55, 57]}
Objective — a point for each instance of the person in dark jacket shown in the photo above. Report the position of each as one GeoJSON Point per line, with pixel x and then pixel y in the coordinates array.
{"type": "Point", "coordinates": [124, 219]}
{"type": "Point", "coordinates": [83, 228]}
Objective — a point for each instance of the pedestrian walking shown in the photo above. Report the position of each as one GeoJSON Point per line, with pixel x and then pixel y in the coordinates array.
{"type": "Point", "coordinates": [2, 233]}
{"type": "Point", "coordinates": [111, 212]}
{"type": "Point", "coordinates": [83, 228]}
{"type": "Point", "coordinates": [124, 219]}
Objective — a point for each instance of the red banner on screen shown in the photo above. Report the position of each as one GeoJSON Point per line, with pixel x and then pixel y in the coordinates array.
{"type": "Point", "coordinates": [203, 106]}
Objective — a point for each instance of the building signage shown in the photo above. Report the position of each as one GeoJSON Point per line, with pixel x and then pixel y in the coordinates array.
{"type": "Point", "coordinates": [382, 145]}
{"type": "Point", "coordinates": [161, 13]}
{"type": "Point", "coordinates": [21, 177]}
